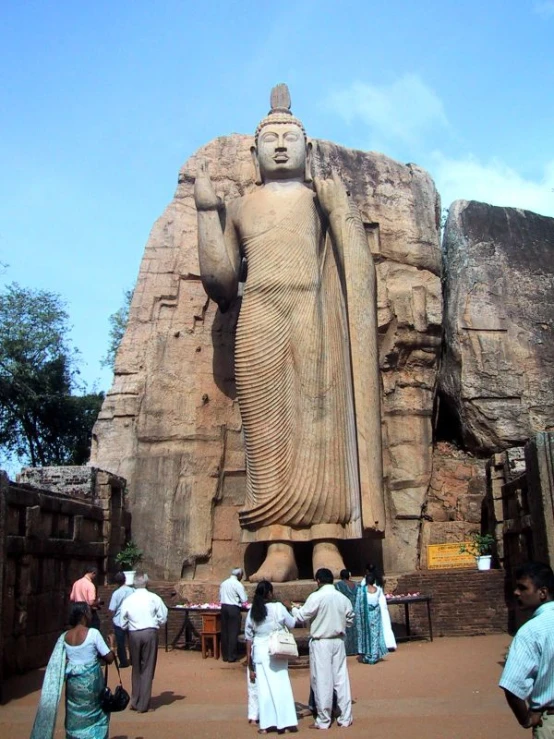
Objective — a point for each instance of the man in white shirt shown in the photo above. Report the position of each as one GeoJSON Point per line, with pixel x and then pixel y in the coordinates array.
{"type": "Point", "coordinates": [142, 613]}
{"type": "Point", "coordinates": [329, 613]}
{"type": "Point", "coordinates": [231, 596]}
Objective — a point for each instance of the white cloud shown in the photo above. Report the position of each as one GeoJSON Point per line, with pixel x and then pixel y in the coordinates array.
{"type": "Point", "coordinates": [492, 182]}
{"type": "Point", "coordinates": [544, 8]}
{"type": "Point", "coordinates": [407, 114]}
{"type": "Point", "coordinates": [404, 110]}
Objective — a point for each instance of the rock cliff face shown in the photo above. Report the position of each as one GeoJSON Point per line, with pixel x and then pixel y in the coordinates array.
{"type": "Point", "coordinates": [499, 319]}
{"type": "Point", "coordinates": [171, 425]}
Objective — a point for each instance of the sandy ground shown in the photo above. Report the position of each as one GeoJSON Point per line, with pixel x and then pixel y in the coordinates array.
{"type": "Point", "coordinates": [441, 690]}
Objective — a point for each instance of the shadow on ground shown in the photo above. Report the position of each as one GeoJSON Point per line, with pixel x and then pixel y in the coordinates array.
{"type": "Point", "coordinates": [18, 686]}
{"type": "Point", "coordinates": [165, 699]}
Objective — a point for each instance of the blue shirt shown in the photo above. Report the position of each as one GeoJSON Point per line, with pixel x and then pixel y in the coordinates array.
{"type": "Point", "coordinates": [118, 596]}
{"type": "Point", "coordinates": [529, 670]}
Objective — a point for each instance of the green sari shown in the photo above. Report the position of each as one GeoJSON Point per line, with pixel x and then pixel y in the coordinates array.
{"type": "Point", "coordinates": [351, 636]}
{"type": "Point", "coordinates": [371, 641]}
{"type": "Point", "coordinates": [84, 717]}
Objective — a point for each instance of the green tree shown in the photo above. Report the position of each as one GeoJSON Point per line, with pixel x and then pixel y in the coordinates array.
{"type": "Point", "coordinates": [118, 324]}
{"type": "Point", "coordinates": [41, 421]}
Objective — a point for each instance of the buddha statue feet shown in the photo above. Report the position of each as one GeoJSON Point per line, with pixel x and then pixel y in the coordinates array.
{"type": "Point", "coordinates": [279, 564]}
{"type": "Point", "coordinates": [326, 554]}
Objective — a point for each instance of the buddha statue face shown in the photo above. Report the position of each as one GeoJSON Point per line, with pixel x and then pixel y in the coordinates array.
{"type": "Point", "coordinates": [282, 152]}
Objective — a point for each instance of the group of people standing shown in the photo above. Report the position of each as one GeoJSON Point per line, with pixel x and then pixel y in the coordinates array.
{"type": "Point", "coordinates": [344, 619]}
{"type": "Point", "coordinates": [371, 635]}
{"type": "Point", "coordinates": [81, 651]}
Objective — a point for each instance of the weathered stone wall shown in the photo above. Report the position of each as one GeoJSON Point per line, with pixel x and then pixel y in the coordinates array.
{"type": "Point", "coordinates": [170, 424]}
{"type": "Point", "coordinates": [497, 374]}
{"type": "Point", "coordinates": [453, 507]}
{"type": "Point", "coordinates": [47, 539]}
{"type": "Point", "coordinates": [76, 481]}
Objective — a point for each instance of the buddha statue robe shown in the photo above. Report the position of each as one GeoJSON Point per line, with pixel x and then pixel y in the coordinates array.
{"type": "Point", "coordinates": [294, 372]}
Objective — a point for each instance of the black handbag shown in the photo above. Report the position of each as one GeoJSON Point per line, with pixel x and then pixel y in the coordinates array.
{"type": "Point", "coordinates": [116, 701]}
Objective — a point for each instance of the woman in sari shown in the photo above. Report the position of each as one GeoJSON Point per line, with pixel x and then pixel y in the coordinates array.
{"type": "Point", "coordinates": [388, 634]}
{"type": "Point", "coordinates": [371, 640]}
{"type": "Point", "coordinates": [271, 674]}
{"type": "Point", "coordinates": [348, 587]}
{"type": "Point", "coordinates": [76, 660]}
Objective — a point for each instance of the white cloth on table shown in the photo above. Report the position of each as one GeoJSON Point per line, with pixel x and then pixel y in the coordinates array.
{"type": "Point", "coordinates": [275, 698]}
{"type": "Point", "coordinates": [232, 592]}
{"type": "Point", "coordinates": [88, 650]}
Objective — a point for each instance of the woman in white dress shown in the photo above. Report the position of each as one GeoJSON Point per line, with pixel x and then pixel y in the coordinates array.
{"type": "Point", "coordinates": [271, 674]}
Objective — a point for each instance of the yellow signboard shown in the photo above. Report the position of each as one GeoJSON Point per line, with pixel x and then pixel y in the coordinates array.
{"type": "Point", "coordinates": [448, 556]}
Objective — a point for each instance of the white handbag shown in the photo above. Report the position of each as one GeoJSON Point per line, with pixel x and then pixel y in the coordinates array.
{"type": "Point", "coordinates": [281, 643]}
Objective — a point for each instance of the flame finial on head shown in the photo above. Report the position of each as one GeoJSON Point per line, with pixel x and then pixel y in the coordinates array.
{"type": "Point", "coordinates": [280, 99]}
{"type": "Point", "coordinates": [280, 110]}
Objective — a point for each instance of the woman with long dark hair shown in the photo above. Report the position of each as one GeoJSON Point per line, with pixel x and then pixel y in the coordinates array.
{"type": "Point", "coordinates": [271, 674]}
{"type": "Point", "coordinates": [376, 576]}
{"type": "Point", "coordinates": [76, 660]}
{"type": "Point", "coordinates": [371, 639]}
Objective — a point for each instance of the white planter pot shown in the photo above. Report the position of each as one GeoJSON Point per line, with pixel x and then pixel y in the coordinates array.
{"type": "Point", "coordinates": [129, 576]}
{"type": "Point", "coordinates": [484, 562]}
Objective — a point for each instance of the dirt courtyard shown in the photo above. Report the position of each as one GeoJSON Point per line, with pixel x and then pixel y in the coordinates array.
{"type": "Point", "coordinates": [446, 689]}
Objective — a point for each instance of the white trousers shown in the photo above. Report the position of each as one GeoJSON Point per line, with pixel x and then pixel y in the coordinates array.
{"type": "Point", "coordinates": [328, 672]}
{"type": "Point", "coordinates": [253, 710]}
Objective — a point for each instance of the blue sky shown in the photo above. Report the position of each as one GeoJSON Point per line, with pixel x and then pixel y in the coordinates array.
{"type": "Point", "coordinates": [103, 102]}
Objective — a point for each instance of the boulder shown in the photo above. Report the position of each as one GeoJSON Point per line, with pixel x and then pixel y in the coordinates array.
{"type": "Point", "coordinates": [497, 374]}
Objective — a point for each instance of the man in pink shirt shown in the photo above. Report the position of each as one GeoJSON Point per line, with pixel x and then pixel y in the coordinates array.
{"type": "Point", "coordinates": [84, 591]}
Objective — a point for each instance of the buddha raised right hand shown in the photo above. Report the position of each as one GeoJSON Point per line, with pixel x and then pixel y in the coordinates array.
{"type": "Point", "coordinates": [332, 195]}
{"type": "Point", "coordinates": [204, 193]}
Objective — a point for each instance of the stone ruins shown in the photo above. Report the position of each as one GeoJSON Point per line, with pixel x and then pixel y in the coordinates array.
{"type": "Point", "coordinates": [464, 357]}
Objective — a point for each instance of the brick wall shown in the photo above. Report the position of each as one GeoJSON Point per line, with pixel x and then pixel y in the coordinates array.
{"type": "Point", "coordinates": [465, 602]}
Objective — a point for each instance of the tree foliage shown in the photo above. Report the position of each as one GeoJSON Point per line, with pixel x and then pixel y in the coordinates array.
{"type": "Point", "coordinates": [40, 419]}
{"type": "Point", "coordinates": [118, 324]}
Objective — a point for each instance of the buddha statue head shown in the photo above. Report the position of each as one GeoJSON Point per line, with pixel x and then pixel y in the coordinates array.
{"type": "Point", "coordinates": [281, 150]}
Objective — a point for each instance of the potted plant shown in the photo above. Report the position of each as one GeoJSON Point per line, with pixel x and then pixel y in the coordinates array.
{"type": "Point", "coordinates": [480, 546]}
{"type": "Point", "coordinates": [128, 558]}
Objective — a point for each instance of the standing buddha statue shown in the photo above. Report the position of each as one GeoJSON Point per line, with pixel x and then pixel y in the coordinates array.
{"type": "Point", "coordinates": [306, 364]}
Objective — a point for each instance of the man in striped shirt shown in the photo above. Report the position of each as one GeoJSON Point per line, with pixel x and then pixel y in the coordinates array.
{"type": "Point", "coordinates": [528, 677]}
